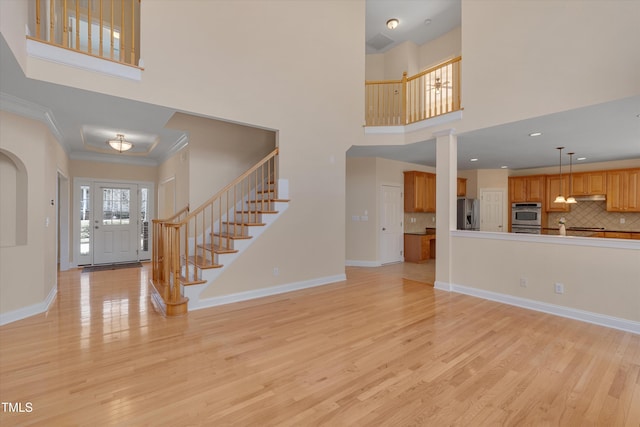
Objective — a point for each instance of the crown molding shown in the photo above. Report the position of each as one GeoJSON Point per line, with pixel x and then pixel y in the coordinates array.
{"type": "Point", "coordinates": [182, 142]}
{"type": "Point", "coordinates": [31, 110]}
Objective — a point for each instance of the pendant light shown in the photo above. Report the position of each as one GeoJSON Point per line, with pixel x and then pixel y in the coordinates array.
{"type": "Point", "coordinates": [560, 198]}
{"type": "Point", "coordinates": [571, 199]}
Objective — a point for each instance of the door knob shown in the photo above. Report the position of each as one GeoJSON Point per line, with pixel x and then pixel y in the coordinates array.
{"type": "Point", "coordinates": [96, 227]}
{"type": "Point", "coordinates": [384, 229]}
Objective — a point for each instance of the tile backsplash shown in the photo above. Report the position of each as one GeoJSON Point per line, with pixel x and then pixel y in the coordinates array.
{"type": "Point", "coordinates": [594, 214]}
{"type": "Point", "coordinates": [422, 221]}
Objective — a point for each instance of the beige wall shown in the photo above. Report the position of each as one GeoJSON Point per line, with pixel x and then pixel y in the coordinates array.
{"type": "Point", "coordinates": [219, 152]}
{"type": "Point", "coordinates": [445, 47]}
{"type": "Point", "coordinates": [112, 171]}
{"type": "Point", "coordinates": [598, 280]}
{"type": "Point", "coordinates": [31, 142]}
{"type": "Point", "coordinates": [173, 184]}
{"type": "Point", "coordinates": [361, 240]}
{"type": "Point", "coordinates": [546, 57]}
{"type": "Point", "coordinates": [365, 177]}
{"type": "Point", "coordinates": [412, 58]}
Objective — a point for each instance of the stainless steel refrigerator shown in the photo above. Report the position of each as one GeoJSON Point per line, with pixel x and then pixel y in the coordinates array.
{"type": "Point", "coordinates": [468, 214]}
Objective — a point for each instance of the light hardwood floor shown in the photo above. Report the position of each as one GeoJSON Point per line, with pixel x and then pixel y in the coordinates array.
{"type": "Point", "coordinates": [374, 350]}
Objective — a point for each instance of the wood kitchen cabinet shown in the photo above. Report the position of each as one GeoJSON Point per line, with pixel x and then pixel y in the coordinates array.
{"type": "Point", "coordinates": [419, 191]}
{"type": "Point", "coordinates": [419, 247]}
{"type": "Point", "coordinates": [462, 187]}
{"type": "Point", "coordinates": [589, 183]}
{"type": "Point", "coordinates": [623, 190]}
{"type": "Point", "coordinates": [556, 186]}
{"type": "Point", "coordinates": [526, 188]}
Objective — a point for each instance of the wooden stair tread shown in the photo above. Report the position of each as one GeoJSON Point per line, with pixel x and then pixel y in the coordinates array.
{"type": "Point", "coordinates": [218, 249]}
{"type": "Point", "coordinates": [231, 236]}
{"type": "Point", "coordinates": [188, 282]}
{"type": "Point", "coordinates": [203, 262]}
{"type": "Point", "coordinates": [245, 224]}
{"type": "Point", "coordinates": [258, 212]}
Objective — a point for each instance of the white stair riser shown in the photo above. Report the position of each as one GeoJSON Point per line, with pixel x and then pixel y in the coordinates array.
{"type": "Point", "coordinates": [236, 230]}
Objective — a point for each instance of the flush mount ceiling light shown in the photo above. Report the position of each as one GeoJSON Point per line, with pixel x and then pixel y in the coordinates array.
{"type": "Point", "coordinates": [392, 23]}
{"type": "Point", "coordinates": [560, 198]}
{"type": "Point", "coordinates": [119, 144]}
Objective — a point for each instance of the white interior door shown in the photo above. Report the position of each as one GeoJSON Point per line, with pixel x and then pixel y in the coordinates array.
{"type": "Point", "coordinates": [491, 210]}
{"type": "Point", "coordinates": [115, 223]}
{"type": "Point", "coordinates": [391, 224]}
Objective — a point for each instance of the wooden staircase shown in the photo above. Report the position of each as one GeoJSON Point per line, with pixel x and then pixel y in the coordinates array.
{"type": "Point", "coordinates": [191, 251]}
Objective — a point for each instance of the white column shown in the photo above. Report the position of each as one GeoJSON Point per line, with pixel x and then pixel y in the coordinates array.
{"type": "Point", "coordinates": [446, 190]}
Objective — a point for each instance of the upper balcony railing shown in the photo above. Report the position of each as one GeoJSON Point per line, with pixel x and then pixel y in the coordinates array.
{"type": "Point", "coordinates": [428, 94]}
{"type": "Point", "coordinates": [108, 29]}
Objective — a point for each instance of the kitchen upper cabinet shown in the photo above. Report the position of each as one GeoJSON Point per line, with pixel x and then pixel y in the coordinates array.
{"type": "Point", "coordinates": [589, 183]}
{"type": "Point", "coordinates": [462, 187]}
{"type": "Point", "coordinates": [556, 186]}
{"type": "Point", "coordinates": [419, 191]}
{"type": "Point", "coordinates": [623, 190]}
{"type": "Point", "coordinates": [526, 188]}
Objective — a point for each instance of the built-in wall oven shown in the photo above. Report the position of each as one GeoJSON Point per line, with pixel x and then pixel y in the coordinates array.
{"type": "Point", "coordinates": [526, 218]}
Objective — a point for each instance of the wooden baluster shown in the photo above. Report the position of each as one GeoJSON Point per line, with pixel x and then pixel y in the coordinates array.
{"type": "Point", "coordinates": [122, 35]}
{"type": "Point", "coordinates": [187, 252]}
{"type": "Point", "coordinates": [38, 19]}
{"type": "Point", "coordinates": [52, 15]}
{"type": "Point", "coordinates": [404, 98]}
{"type": "Point", "coordinates": [89, 47]}
{"type": "Point", "coordinates": [100, 49]}
{"type": "Point", "coordinates": [65, 24]}
{"type": "Point", "coordinates": [77, 46]}
{"type": "Point", "coordinates": [112, 32]}
{"type": "Point", "coordinates": [133, 32]}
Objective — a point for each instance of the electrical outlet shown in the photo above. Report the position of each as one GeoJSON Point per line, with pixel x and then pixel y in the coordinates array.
{"type": "Point", "coordinates": [559, 288]}
{"type": "Point", "coordinates": [276, 271]}
{"type": "Point", "coordinates": [524, 282]}
{"type": "Point", "coordinates": [622, 221]}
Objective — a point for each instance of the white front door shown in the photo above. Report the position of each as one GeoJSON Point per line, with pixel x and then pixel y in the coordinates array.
{"type": "Point", "coordinates": [391, 224]}
{"type": "Point", "coordinates": [491, 210]}
{"type": "Point", "coordinates": [115, 223]}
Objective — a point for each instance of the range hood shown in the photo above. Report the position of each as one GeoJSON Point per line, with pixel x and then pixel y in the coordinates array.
{"type": "Point", "coordinates": [594, 198]}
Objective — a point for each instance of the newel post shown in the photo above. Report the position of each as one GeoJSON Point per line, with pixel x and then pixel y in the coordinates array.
{"type": "Point", "coordinates": [404, 98]}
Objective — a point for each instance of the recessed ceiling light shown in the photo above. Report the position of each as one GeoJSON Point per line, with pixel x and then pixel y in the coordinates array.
{"type": "Point", "coordinates": [504, 167]}
{"type": "Point", "coordinates": [535, 134]}
{"type": "Point", "coordinates": [581, 158]}
{"type": "Point", "coordinates": [427, 21]}
{"type": "Point", "coordinates": [392, 23]}
{"type": "Point", "coordinates": [473, 160]}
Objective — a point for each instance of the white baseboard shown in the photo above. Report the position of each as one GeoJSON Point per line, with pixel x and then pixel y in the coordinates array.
{"type": "Point", "coordinates": [32, 310]}
{"type": "Point", "coordinates": [558, 310]}
{"type": "Point", "coordinates": [265, 292]}
{"type": "Point", "coordinates": [355, 263]}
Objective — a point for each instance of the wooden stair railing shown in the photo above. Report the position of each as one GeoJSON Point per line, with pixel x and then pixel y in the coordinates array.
{"type": "Point", "coordinates": [428, 94]}
{"type": "Point", "coordinates": [107, 29]}
{"type": "Point", "coordinates": [186, 244]}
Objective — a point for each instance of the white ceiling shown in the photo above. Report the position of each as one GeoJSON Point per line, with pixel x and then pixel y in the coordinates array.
{"type": "Point", "coordinates": [85, 119]}
{"type": "Point", "coordinates": [419, 21]}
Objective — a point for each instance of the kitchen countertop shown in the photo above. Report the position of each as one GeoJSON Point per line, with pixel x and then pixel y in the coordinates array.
{"type": "Point", "coordinates": [428, 232]}
{"type": "Point", "coordinates": [583, 231]}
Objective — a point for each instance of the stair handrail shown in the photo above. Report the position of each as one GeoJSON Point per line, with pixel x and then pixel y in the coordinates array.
{"type": "Point", "coordinates": [236, 181]}
{"type": "Point", "coordinates": [178, 238]}
{"type": "Point", "coordinates": [176, 216]}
